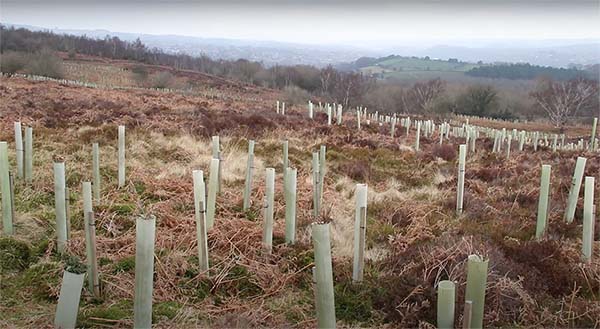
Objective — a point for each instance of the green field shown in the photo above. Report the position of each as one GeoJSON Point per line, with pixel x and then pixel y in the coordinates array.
{"type": "Point", "coordinates": [413, 68]}
{"type": "Point", "coordinates": [421, 64]}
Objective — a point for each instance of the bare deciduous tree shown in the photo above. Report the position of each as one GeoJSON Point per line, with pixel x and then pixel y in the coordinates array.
{"type": "Point", "coordinates": [422, 95]}
{"type": "Point", "coordinates": [327, 76]}
{"type": "Point", "coordinates": [562, 99]}
{"type": "Point", "coordinates": [349, 88]}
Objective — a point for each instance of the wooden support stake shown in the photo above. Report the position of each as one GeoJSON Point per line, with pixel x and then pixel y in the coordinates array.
{"type": "Point", "coordinates": [360, 229]}
{"type": "Point", "coordinates": [28, 155]}
{"type": "Point", "coordinates": [12, 194]}
{"type": "Point", "coordinates": [68, 211]}
{"type": "Point", "coordinates": [216, 154]}
{"type": "Point", "coordinates": [322, 171]}
{"type": "Point", "coordinates": [316, 185]}
{"type": "Point", "coordinates": [93, 262]}
{"type": "Point", "coordinates": [211, 201]}
{"type": "Point", "coordinates": [249, 171]}
{"type": "Point", "coordinates": [86, 192]}
{"type": "Point", "coordinates": [462, 159]}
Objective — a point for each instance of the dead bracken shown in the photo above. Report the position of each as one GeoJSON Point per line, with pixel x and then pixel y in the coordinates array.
{"type": "Point", "coordinates": [414, 238]}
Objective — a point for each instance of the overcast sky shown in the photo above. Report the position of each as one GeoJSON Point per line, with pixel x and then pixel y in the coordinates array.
{"type": "Point", "coordinates": [325, 21]}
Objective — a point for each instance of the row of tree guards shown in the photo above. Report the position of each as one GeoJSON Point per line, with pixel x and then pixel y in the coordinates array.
{"type": "Point", "coordinates": [205, 205]}
{"type": "Point", "coordinates": [502, 138]}
{"type": "Point", "coordinates": [209, 93]}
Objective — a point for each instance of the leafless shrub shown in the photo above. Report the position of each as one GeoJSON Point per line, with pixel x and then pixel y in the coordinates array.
{"type": "Point", "coordinates": [162, 79]}
{"type": "Point", "coordinates": [45, 63]}
{"type": "Point", "coordinates": [12, 62]}
{"type": "Point", "coordinates": [295, 95]}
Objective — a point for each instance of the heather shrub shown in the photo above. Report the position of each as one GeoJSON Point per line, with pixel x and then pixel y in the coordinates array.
{"type": "Point", "coordinates": [445, 151]}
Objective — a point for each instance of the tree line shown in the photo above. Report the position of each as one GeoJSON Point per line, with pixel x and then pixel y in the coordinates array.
{"type": "Point", "coordinates": [527, 71]}
{"type": "Point", "coordinates": [346, 88]}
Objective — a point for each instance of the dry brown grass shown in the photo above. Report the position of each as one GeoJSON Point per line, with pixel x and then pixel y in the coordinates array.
{"type": "Point", "coordinates": [414, 238]}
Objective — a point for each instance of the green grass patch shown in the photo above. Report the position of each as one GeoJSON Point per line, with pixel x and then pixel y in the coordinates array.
{"type": "Point", "coordinates": [378, 232]}
{"type": "Point", "coordinates": [125, 265]}
{"type": "Point", "coordinates": [252, 214]}
{"type": "Point", "coordinates": [123, 209]}
{"type": "Point", "coordinates": [104, 315]}
{"type": "Point", "coordinates": [34, 199]}
{"type": "Point", "coordinates": [40, 279]}
{"type": "Point", "coordinates": [353, 303]}
{"type": "Point", "coordinates": [15, 255]}
{"type": "Point", "coordinates": [166, 310]}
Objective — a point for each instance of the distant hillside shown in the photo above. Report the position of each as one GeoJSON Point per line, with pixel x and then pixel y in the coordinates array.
{"type": "Point", "coordinates": [405, 63]}
{"type": "Point", "coordinates": [409, 68]}
{"type": "Point", "coordinates": [584, 52]}
{"type": "Point", "coordinates": [268, 52]}
{"type": "Point", "coordinates": [412, 68]}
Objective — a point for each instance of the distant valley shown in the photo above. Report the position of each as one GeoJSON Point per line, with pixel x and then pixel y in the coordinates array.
{"type": "Point", "coordinates": [556, 53]}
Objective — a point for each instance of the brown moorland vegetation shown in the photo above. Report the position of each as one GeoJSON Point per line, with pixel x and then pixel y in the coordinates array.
{"type": "Point", "coordinates": [414, 238]}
